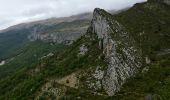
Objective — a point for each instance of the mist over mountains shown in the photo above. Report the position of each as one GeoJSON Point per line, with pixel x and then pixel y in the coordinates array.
{"type": "Point", "coordinates": [19, 11]}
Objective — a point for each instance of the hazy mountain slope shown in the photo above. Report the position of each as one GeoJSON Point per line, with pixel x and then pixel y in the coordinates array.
{"type": "Point", "coordinates": [10, 42]}
{"type": "Point", "coordinates": [57, 33]}
{"type": "Point", "coordinates": [50, 21]}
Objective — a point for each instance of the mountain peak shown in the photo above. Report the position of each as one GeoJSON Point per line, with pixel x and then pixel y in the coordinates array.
{"type": "Point", "coordinates": [99, 12]}
{"type": "Point", "coordinates": [116, 44]}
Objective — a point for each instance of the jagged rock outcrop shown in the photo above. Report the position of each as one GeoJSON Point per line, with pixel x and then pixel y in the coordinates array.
{"type": "Point", "coordinates": [123, 56]}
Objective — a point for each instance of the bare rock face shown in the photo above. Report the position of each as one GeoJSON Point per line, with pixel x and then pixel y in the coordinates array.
{"type": "Point", "coordinates": [124, 58]}
{"type": "Point", "coordinates": [2, 63]}
{"type": "Point", "coordinates": [83, 50]}
{"type": "Point", "coordinates": [56, 37]}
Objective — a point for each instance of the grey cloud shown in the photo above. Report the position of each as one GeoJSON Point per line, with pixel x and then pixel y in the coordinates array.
{"type": "Point", "coordinates": [19, 11]}
{"type": "Point", "coordinates": [37, 11]}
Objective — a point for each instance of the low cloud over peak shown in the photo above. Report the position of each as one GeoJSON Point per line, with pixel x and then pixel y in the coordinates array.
{"type": "Point", "coordinates": [18, 11]}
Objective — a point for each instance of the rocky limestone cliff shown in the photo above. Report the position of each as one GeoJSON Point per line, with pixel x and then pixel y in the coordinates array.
{"type": "Point", "coordinates": [123, 57]}
{"type": "Point", "coordinates": [56, 37]}
{"type": "Point", "coordinates": [59, 33]}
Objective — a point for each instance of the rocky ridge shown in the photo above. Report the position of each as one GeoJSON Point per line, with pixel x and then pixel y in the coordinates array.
{"type": "Point", "coordinates": [123, 56]}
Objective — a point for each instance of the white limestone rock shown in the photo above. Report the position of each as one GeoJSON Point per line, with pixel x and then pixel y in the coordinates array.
{"type": "Point", "coordinates": [123, 56]}
{"type": "Point", "coordinates": [82, 50]}
{"type": "Point", "coordinates": [95, 81]}
{"type": "Point", "coordinates": [2, 63]}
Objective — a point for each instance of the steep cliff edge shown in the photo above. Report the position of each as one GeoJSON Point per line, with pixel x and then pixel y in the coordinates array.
{"type": "Point", "coordinates": [123, 56]}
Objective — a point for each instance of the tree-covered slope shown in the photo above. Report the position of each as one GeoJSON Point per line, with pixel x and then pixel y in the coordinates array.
{"type": "Point", "coordinates": [149, 24]}
{"type": "Point", "coordinates": [28, 55]}
{"type": "Point", "coordinates": [15, 70]}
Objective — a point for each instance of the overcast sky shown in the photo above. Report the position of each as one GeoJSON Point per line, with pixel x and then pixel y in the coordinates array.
{"type": "Point", "coordinates": [18, 11]}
